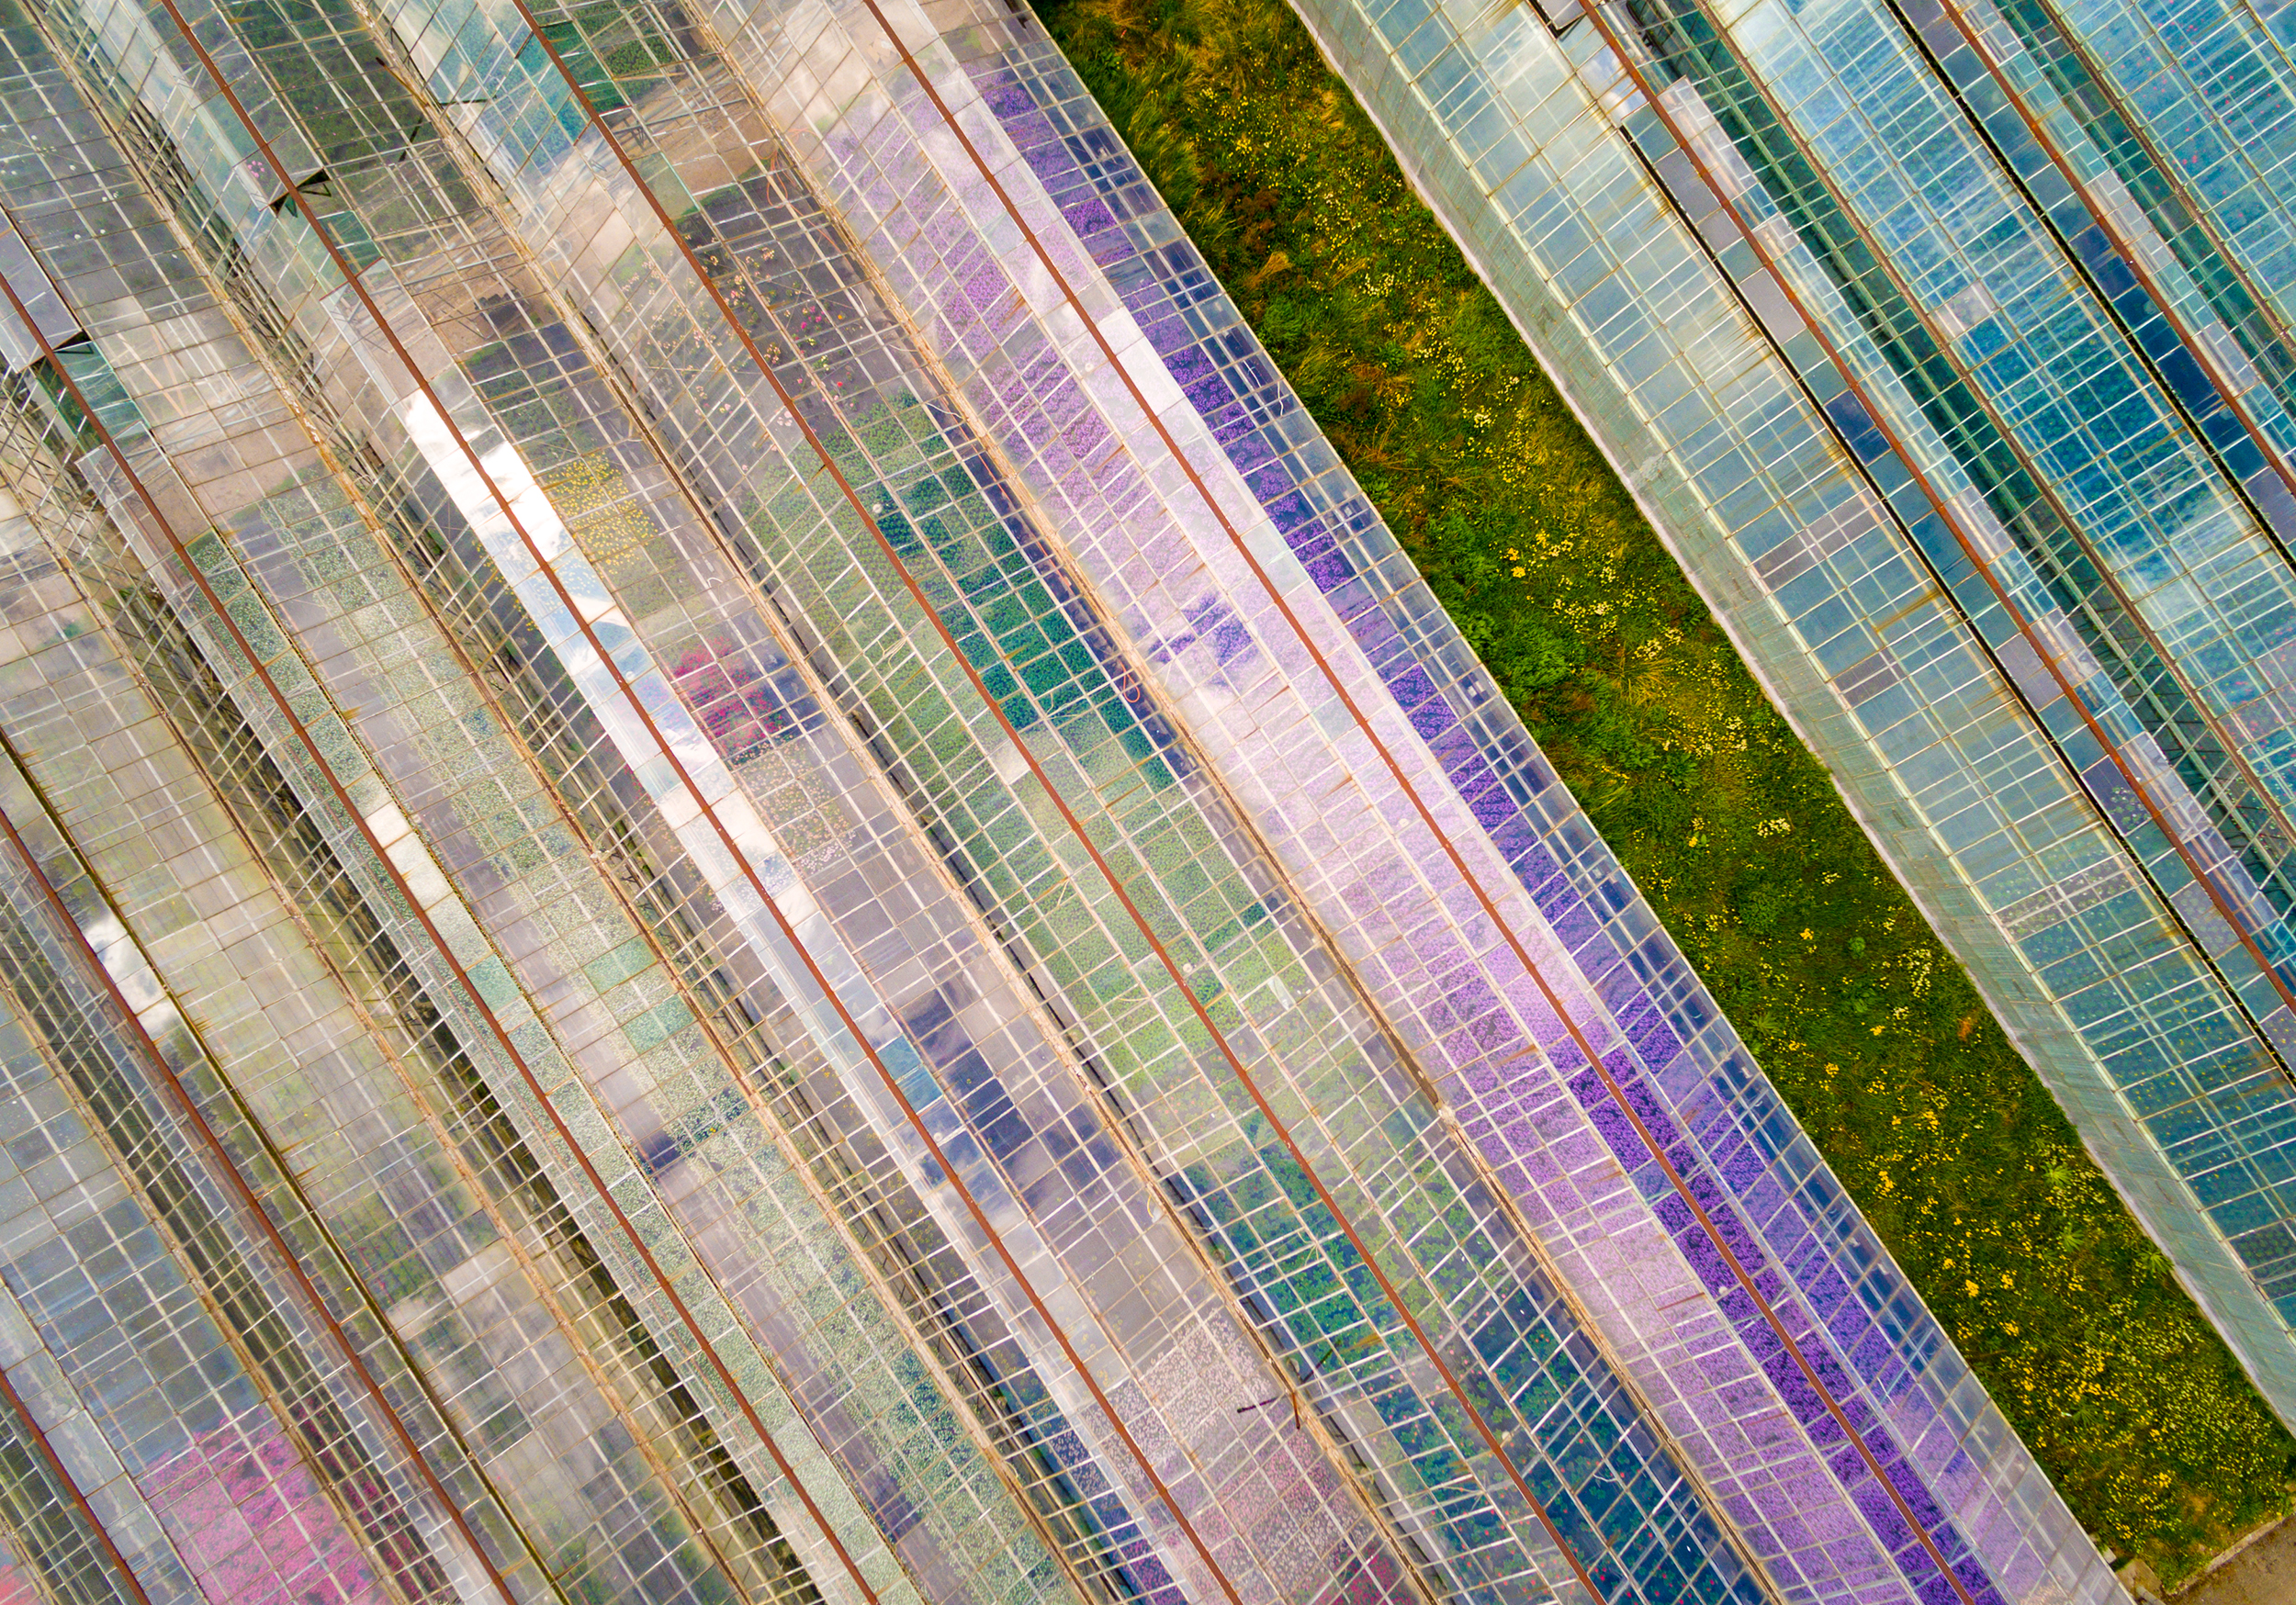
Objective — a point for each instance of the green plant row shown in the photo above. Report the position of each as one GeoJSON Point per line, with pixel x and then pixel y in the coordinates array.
{"type": "Point", "coordinates": [1957, 1154]}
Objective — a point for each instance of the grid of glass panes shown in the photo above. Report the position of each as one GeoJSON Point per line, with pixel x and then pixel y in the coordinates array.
{"type": "Point", "coordinates": [2240, 280]}
{"type": "Point", "coordinates": [216, 1399]}
{"type": "Point", "coordinates": [1231, 345]}
{"type": "Point", "coordinates": [178, 1416]}
{"type": "Point", "coordinates": [323, 519]}
{"type": "Point", "coordinates": [944, 278]}
{"type": "Point", "coordinates": [562, 230]}
{"type": "Point", "coordinates": [304, 604]}
{"type": "Point", "coordinates": [457, 1283]}
{"type": "Point", "coordinates": [2053, 398]}
{"type": "Point", "coordinates": [1927, 775]}
{"type": "Point", "coordinates": [2210, 86]}
{"type": "Point", "coordinates": [270, 563]}
{"type": "Point", "coordinates": [967, 538]}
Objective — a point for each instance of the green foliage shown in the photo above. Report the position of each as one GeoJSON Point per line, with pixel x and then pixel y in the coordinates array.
{"type": "Point", "coordinates": [1954, 1151]}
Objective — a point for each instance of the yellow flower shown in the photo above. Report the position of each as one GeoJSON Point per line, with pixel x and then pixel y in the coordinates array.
{"type": "Point", "coordinates": [1972, 1289]}
{"type": "Point", "coordinates": [1806, 933]}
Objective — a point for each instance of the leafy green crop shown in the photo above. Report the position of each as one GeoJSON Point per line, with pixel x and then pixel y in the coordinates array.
{"type": "Point", "coordinates": [1953, 1147]}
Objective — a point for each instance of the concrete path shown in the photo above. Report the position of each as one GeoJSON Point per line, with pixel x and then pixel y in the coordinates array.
{"type": "Point", "coordinates": [2262, 1574]}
